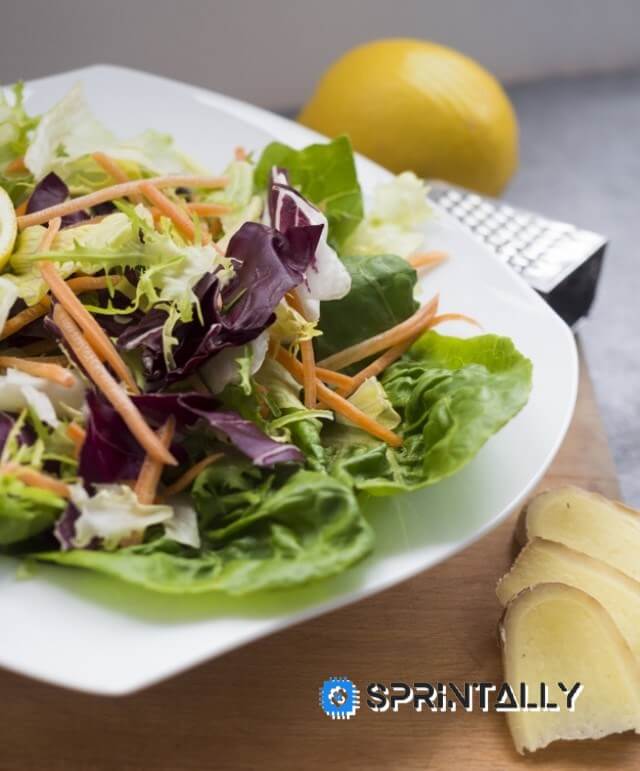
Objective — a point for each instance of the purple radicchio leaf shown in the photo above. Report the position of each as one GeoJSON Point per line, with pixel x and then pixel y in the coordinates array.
{"type": "Point", "coordinates": [51, 191]}
{"type": "Point", "coordinates": [65, 527]}
{"type": "Point", "coordinates": [26, 435]}
{"type": "Point", "coordinates": [110, 453]}
{"type": "Point", "coordinates": [268, 265]}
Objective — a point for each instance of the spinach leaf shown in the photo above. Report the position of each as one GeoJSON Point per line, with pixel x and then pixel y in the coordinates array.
{"type": "Point", "coordinates": [381, 296]}
{"type": "Point", "coordinates": [452, 394]}
{"type": "Point", "coordinates": [325, 174]}
{"type": "Point", "coordinates": [308, 529]}
{"type": "Point", "coordinates": [25, 511]}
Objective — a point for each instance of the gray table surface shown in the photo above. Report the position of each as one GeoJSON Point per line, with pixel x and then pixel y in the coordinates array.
{"type": "Point", "coordinates": [580, 162]}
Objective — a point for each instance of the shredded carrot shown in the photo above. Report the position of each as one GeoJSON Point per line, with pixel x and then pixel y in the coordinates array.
{"type": "Point", "coordinates": [121, 190]}
{"type": "Point", "coordinates": [16, 165]}
{"type": "Point", "coordinates": [113, 169]}
{"type": "Point", "coordinates": [77, 285]}
{"type": "Point", "coordinates": [188, 477]}
{"type": "Point", "coordinates": [215, 228]}
{"type": "Point", "coordinates": [48, 238]}
{"type": "Point", "coordinates": [61, 360]}
{"type": "Point", "coordinates": [26, 316]}
{"type": "Point", "coordinates": [96, 336]}
{"type": "Point", "coordinates": [406, 329]}
{"type": "Point", "coordinates": [309, 374]}
{"type": "Point", "coordinates": [109, 387]}
{"type": "Point", "coordinates": [338, 404]}
{"type": "Point", "coordinates": [201, 209]}
{"type": "Point", "coordinates": [182, 221]}
{"type": "Point", "coordinates": [388, 357]}
{"type": "Point", "coordinates": [453, 317]}
{"type": "Point", "coordinates": [81, 284]}
{"type": "Point", "coordinates": [209, 209]}
{"type": "Point", "coordinates": [151, 471]}
{"type": "Point", "coordinates": [308, 358]}
{"type": "Point", "coordinates": [240, 153]}
{"type": "Point", "coordinates": [77, 434]}
{"type": "Point", "coordinates": [21, 209]}
{"type": "Point", "coordinates": [33, 478]}
{"type": "Point", "coordinates": [378, 365]}
{"type": "Point", "coordinates": [334, 378]}
{"type": "Point", "coordinates": [53, 372]}
{"type": "Point", "coordinates": [427, 259]}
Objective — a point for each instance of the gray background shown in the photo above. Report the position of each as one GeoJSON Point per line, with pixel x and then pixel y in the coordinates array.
{"type": "Point", "coordinates": [573, 69]}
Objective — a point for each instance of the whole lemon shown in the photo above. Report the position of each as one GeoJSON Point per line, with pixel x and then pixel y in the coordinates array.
{"type": "Point", "coordinates": [411, 104]}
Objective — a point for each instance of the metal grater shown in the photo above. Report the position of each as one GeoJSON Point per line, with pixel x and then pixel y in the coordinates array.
{"type": "Point", "coordinates": [561, 262]}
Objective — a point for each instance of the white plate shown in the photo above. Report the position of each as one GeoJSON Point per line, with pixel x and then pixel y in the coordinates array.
{"type": "Point", "coordinates": [84, 631]}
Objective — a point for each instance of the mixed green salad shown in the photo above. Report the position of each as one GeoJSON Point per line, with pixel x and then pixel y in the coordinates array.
{"type": "Point", "coordinates": [203, 377]}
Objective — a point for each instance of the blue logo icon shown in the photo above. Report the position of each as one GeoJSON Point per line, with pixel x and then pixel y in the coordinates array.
{"type": "Point", "coordinates": [339, 698]}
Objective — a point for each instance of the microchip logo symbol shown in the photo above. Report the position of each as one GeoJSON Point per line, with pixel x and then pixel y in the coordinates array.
{"type": "Point", "coordinates": [339, 698]}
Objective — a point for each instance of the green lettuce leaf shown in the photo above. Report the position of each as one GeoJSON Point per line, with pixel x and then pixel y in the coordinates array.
{"type": "Point", "coordinates": [381, 296]}
{"type": "Point", "coordinates": [15, 129]}
{"type": "Point", "coordinates": [452, 394]}
{"type": "Point", "coordinates": [326, 175]}
{"type": "Point", "coordinates": [309, 529]}
{"type": "Point", "coordinates": [25, 511]}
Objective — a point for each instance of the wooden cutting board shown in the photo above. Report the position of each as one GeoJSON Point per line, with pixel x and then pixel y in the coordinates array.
{"type": "Point", "coordinates": [257, 708]}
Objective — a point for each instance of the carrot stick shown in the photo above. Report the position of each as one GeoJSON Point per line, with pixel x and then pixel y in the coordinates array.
{"type": "Point", "coordinates": [121, 190]}
{"type": "Point", "coordinates": [77, 286]}
{"type": "Point", "coordinates": [388, 357]}
{"type": "Point", "coordinates": [188, 477]}
{"type": "Point", "coordinates": [16, 165]}
{"type": "Point", "coordinates": [201, 209]}
{"type": "Point", "coordinates": [209, 209]}
{"type": "Point", "coordinates": [378, 365]}
{"type": "Point", "coordinates": [453, 317]}
{"type": "Point", "coordinates": [334, 378]}
{"type": "Point", "coordinates": [109, 387]}
{"type": "Point", "coordinates": [427, 259]}
{"type": "Point", "coordinates": [308, 358]}
{"type": "Point", "coordinates": [77, 434]}
{"type": "Point", "coordinates": [181, 220]}
{"type": "Point", "coordinates": [53, 372]}
{"type": "Point", "coordinates": [20, 320]}
{"type": "Point", "coordinates": [93, 331]}
{"type": "Point", "coordinates": [338, 404]}
{"type": "Point", "coordinates": [48, 238]}
{"type": "Point", "coordinates": [33, 478]}
{"type": "Point", "coordinates": [309, 374]}
{"type": "Point", "coordinates": [112, 168]}
{"type": "Point", "coordinates": [151, 471]}
{"type": "Point", "coordinates": [21, 209]}
{"type": "Point", "coordinates": [391, 337]}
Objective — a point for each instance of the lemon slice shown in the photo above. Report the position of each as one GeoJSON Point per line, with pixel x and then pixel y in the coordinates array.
{"type": "Point", "coordinates": [8, 227]}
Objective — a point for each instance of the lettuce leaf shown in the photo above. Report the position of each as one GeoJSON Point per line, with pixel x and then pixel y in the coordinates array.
{"type": "Point", "coordinates": [15, 124]}
{"type": "Point", "coordinates": [397, 209]}
{"type": "Point", "coordinates": [325, 174]}
{"type": "Point", "coordinates": [25, 511]}
{"type": "Point", "coordinates": [452, 394]}
{"type": "Point", "coordinates": [381, 296]}
{"type": "Point", "coordinates": [69, 132]}
{"type": "Point", "coordinates": [308, 529]}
